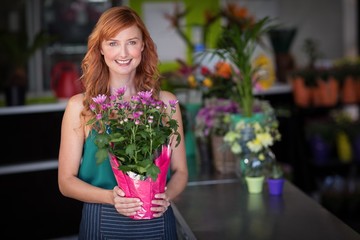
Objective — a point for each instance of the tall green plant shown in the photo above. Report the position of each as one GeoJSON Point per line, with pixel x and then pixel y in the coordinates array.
{"type": "Point", "coordinates": [237, 45]}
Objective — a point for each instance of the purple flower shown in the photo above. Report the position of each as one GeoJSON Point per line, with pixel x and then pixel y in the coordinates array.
{"type": "Point", "coordinates": [120, 91]}
{"type": "Point", "coordinates": [135, 99]}
{"type": "Point", "coordinates": [92, 107]}
{"type": "Point", "coordinates": [173, 104]}
{"type": "Point", "coordinates": [136, 115]}
{"type": "Point", "coordinates": [145, 95]}
{"type": "Point", "coordinates": [113, 98]}
{"type": "Point", "coordinates": [100, 99]}
{"type": "Point", "coordinates": [98, 116]}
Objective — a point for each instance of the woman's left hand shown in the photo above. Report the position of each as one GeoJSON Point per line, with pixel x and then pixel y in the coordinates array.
{"type": "Point", "coordinates": [162, 203]}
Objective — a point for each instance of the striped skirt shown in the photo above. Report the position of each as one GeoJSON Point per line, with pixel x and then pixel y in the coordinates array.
{"type": "Point", "coordinates": [102, 221]}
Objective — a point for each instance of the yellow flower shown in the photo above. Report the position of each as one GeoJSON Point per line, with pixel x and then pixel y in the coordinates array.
{"type": "Point", "coordinates": [261, 156]}
{"type": "Point", "coordinates": [207, 82]}
{"type": "Point", "coordinates": [192, 81]}
{"type": "Point", "coordinates": [236, 148]}
{"type": "Point", "coordinates": [265, 73]}
{"type": "Point", "coordinates": [254, 145]}
{"type": "Point", "coordinates": [265, 139]}
{"type": "Point", "coordinates": [231, 136]}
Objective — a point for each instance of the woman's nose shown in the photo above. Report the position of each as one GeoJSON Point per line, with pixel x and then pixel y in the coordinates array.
{"type": "Point", "coordinates": [123, 51]}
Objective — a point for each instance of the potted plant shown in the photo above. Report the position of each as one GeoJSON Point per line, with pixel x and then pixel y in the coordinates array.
{"type": "Point", "coordinates": [136, 136]}
{"type": "Point", "coordinates": [275, 179]}
{"type": "Point", "coordinates": [237, 45]}
{"type": "Point", "coordinates": [18, 50]}
{"type": "Point", "coordinates": [253, 137]}
{"type": "Point", "coordinates": [210, 126]}
{"type": "Point", "coordinates": [254, 174]}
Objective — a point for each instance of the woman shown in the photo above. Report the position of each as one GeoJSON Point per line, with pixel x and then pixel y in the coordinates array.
{"type": "Point", "coordinates": [120, 53]}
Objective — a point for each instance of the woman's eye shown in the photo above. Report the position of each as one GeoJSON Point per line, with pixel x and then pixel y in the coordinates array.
{"type": "Point", "coordinates": [112, 43]}
{"type": "Point", "coordinates": [132, 42]}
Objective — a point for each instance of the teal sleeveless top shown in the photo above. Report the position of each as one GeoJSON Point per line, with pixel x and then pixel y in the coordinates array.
{"type": "Point", "coordinates": [100, 175]}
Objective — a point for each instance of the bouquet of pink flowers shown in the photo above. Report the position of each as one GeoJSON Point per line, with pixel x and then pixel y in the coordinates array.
{"type": "Point", "coordinates": [136, 134]}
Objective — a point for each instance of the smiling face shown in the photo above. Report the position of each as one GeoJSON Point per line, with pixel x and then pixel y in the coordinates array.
{"type": "Point", "coordinates": [122, 53]}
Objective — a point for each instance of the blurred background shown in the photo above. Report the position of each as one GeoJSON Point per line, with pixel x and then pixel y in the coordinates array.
{"type": "Point", "coordinates": [42, 43]}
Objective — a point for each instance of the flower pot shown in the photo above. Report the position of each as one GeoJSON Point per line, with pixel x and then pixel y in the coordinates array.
{"type": "Point", "coordinates": [328, 91]}
{"type": "Point", "coordinates": [344, 148]}
{"type": "Point", "coordinates": [256, 117]}
{"type": "Point", "coordinates": [281, 40]}
{"type": "Point", "coordinates": [144, 189]}
{"type": "Point", "coordinates": [223, 158]}
{"type": "Point", "coordinates": [349, 95]}
{"type": "Point", "coordinates": [320, 149]}
{"type": "Point", "coordinates": [255, 184]}
{"type": "Point", "coordinates": [302, 93]}
{"type": "Point", "coordinates": [275, 186]}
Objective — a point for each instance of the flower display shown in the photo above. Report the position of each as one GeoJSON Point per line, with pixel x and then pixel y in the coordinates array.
{"type": "Point", "coordinates": [213, 82]}
{"type": "Point", "coordinates": [213, 118]}
{"type": "Point", "coordinates": [237, 45]}
{"type": "Point", "coordinates": [255, 136]}
{"type": "Point", "coordinates": [133, 131]}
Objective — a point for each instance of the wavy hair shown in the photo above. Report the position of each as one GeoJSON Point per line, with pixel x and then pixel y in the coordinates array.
{"type": "Point", "coordinates": [95, 72]}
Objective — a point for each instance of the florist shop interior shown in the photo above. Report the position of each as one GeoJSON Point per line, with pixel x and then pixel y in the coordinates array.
{"type": "Point", "coordinates": [266, 94]}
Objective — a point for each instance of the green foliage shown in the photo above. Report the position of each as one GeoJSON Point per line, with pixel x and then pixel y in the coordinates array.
{"type": "Point", "coordinates": [237, 45]}
{"type": "Point", "coordinates": [255, 168]}
{"type": "Point", "coordinates": [276, 171]}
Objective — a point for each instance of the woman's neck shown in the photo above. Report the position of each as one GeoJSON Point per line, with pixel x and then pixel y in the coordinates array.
{"type": "Point", "coordinates": [116, 83]}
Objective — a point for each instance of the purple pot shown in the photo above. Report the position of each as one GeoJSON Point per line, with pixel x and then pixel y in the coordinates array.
{"type": "Point", "coordinates": [275, 186]}
{"type": "Point", "coordinates": [320, 150]}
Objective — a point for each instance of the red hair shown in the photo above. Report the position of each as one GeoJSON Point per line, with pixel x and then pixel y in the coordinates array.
{"type": "Point", "coordinates": [95, 77]}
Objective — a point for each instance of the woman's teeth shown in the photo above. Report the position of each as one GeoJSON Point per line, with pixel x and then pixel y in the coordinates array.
{"type": "Point", "coordinates": [122, 61]}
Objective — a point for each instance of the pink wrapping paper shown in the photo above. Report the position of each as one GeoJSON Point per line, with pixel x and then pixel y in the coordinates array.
{"type": "Point", "coordinates": [146, 189]}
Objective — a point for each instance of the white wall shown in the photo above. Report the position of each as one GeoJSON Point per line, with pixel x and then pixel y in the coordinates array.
{"type": "Point", "coordinates": [332, 23]}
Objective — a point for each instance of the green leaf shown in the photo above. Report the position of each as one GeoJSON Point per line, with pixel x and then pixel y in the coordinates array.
{"type": "Point", "coordinates": [153, 172]}
{"type": "Point", "coordinates": [130, 150]}
{"type": "Point", "coordinates": [102, 140]}
{"type": "Point", "coordinates": [101, 155]}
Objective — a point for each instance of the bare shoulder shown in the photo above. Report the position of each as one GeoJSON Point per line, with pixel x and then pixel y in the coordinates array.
{"type": "Point", "coordinates": [166, 96]}
{"type": "Point", "coordinates": [75, 103]}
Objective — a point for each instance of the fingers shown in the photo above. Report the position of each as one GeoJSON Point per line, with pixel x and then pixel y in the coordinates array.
{"type": "Point", "coordinates": [124, 205]}
{"type": "Point", "coordinates": [161, 205]}
{"type": "Point", "coordinates": [118, 192]}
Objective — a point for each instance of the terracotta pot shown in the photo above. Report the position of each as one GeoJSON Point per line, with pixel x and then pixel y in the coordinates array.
{"type": "Point", "coordinates": [315, 93]}
{"type": "Point", "coordinates": [349, 94]}
{"type": "Point", "coordinates": [357, 89]}
{"type": "Point", "coordinates": [302, 94]}
{"type": "Point", "coordinates": [328, 91]}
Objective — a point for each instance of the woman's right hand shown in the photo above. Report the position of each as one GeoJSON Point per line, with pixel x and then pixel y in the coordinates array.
{"type": "Point", "coordinates": [124, 205]}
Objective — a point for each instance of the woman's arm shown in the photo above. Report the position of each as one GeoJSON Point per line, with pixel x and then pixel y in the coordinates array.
{"type": "Point", "coordinates": [71, 146]}
{"type": "Point", "coordinates": [179, 177]}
